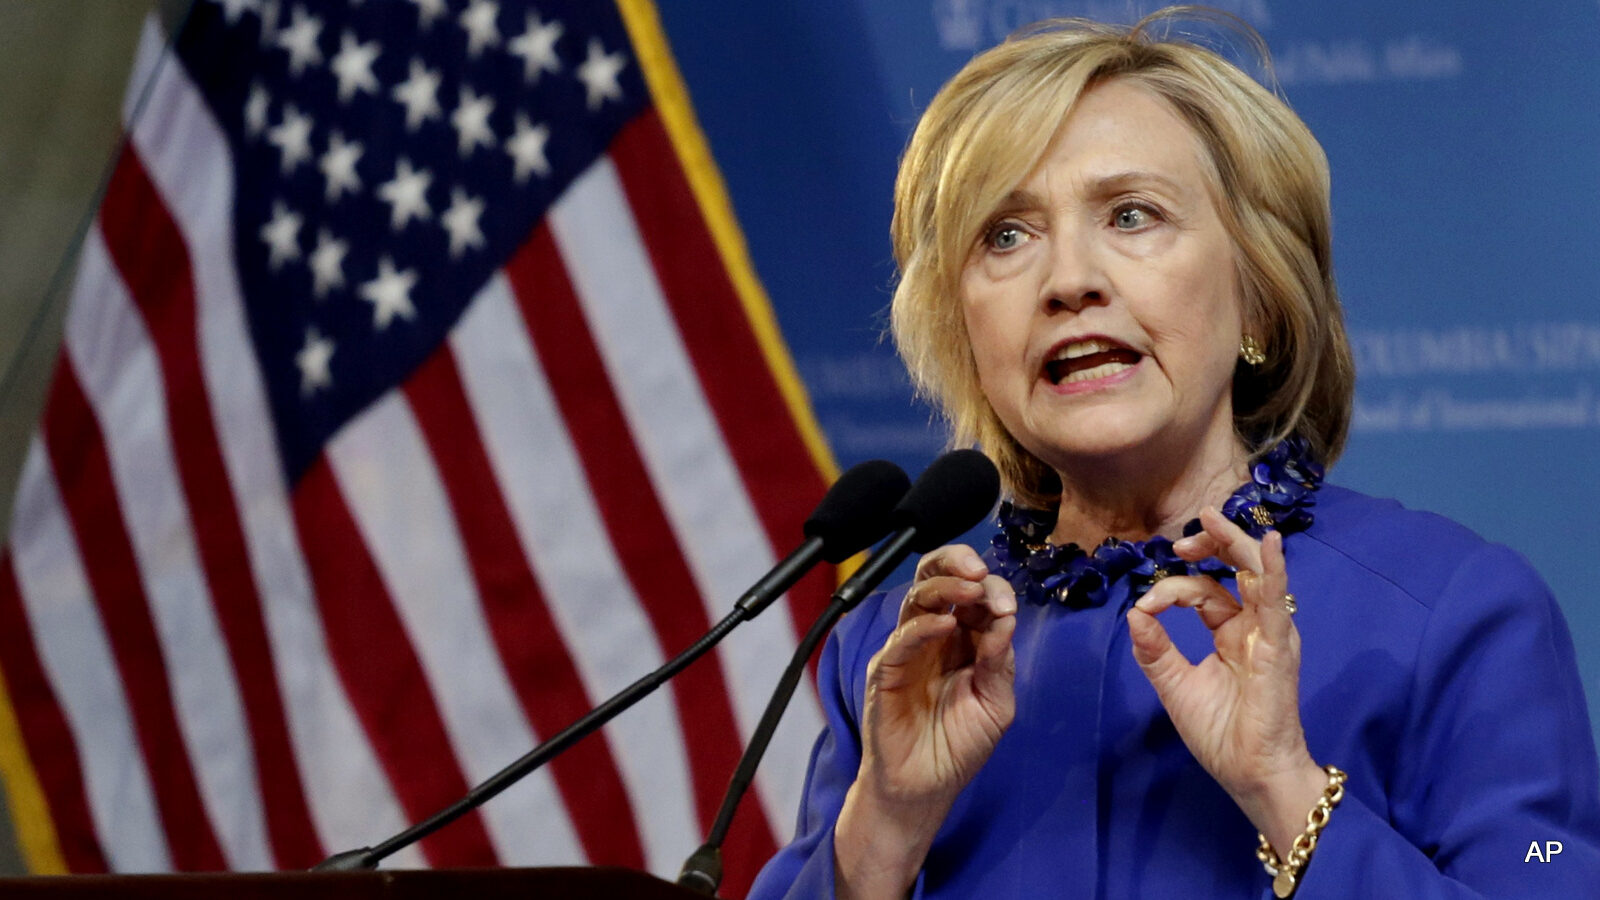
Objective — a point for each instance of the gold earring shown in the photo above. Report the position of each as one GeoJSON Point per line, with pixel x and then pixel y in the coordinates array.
{"type": "Point", "coordinates": [1250, 351]}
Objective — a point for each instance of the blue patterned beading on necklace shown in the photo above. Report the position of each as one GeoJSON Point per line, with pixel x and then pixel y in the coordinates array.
{"type": "Point", "coordinates": [1279, 496]}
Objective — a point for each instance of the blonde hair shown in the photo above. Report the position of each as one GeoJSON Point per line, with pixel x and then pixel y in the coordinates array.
{"type": "Point", "coordinates": [987, 129]}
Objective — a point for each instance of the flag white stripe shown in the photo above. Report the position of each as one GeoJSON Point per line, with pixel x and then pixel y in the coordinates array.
{"type": "Point", "coordinates": [186, 156]}
{"type": "Point", "coordinates": [116, 363]}
{"type": "Point", "coordinates": [77, 659]}
{"type": "Point", "coordinates": [599, 616]}
{"type": "Point", "coordinates": [690, 466]}
{"type": "Point", "coordinates": [388, 478]}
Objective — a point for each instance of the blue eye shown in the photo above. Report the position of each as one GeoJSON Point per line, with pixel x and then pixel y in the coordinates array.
{"type": "Point", "coordinates": [1005, 237]}
{"type": "Point", "coordinates": [1132, 218]}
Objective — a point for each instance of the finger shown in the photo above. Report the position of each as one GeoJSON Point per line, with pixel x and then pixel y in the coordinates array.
{"type": "Point", "coordinates": [993, 645]}
{"type": "Point", "coordinates": [1274, 568]}
{"type": "Point", "coordinates": [1161, 661]}
{"type": "Point", "coordinates": [1235, 546]}
{"type": "Point", "coordinates": [995, 661]}
{"type": "Point", "coordinates": [908, 644]}
{"type": "Point", "coordinates": [1268, 592]}
{"type": "Point", "coordinates": [955, 560]}
{"type": "Point", "coordinates": [939, 594]}
{"type": "Point", "coordinates": [994, 639]}
{"type": "Point", "coordinates": [997, 600]}
{"type": "Point", "coordinates": [1198, 592]}
{"type": "Point", "coordinates": [999, 603]}
{"type": "Point", "coordinates": [999, 597]}
{"type": "Point", "coordinates": [1196, 547]}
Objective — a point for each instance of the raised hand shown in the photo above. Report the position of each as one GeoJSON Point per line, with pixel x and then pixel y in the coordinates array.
{"type": "Point", "coordinates": [1237, 710]}
{"type": "Point", "coordinates": [939, 696]}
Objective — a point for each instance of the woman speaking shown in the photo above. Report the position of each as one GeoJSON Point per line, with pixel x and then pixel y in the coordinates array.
{"type": "Point", "coordinates": [1187, 667]}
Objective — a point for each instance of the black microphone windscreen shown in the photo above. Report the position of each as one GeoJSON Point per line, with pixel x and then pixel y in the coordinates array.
{"type": "Point", "coordinates": [952, 495]}
{"type": "Point", "coordinates": [856, 510]}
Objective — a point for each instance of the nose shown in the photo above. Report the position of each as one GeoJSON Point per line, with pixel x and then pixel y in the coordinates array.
{"type": "Point", "coordinates": [1076, 276]}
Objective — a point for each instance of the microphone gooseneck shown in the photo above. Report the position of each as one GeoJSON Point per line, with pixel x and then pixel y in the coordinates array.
{"type": "Point", "coordinates": [856, 511]}
{"type": "Point", "coordinates": [951, 496]}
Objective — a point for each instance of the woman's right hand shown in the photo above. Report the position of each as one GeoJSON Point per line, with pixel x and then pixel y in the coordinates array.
{"type": "Point", "coordinates": [939, 696]}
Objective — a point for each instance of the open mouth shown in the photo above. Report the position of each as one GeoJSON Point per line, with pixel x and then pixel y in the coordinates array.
{"type": "Point", "coordinates": [1087, 360]}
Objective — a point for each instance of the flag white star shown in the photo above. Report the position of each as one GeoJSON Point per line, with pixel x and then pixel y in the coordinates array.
{"type": "Point", "coordinates": [300, 39]}
{"type": "Point", "coordinates": [461, 220]}
{"type": "Point", "coordinates": [407, 194]}
{"type": "Point", "coordinates": [599, 74]}
{"type": "Point", "coordinates": [256, 110]}
{"type": "Point", "coordinates": [537, 48]}
{"type": "Point", "coordinates": [471, 121]}
{"type": "Point", "coordinates": [527, 148]}
{"type": "Point", "coordinates": [419, 94]}
{"type": "Point", "coordinates": [313, 360]}
{"type": "Point", "coordinates": [327, 263]}
{"type": "Point", "coordinates": [281, 234]}
{"type": "Point", "coordinates": [292, 137]}
{"type": "Point", "coordinates": [428, 11]}
{"type": "Point", "coordinates": [338, 166]}
{"type": "Point", "coordinates": [390, 294]}
{"type": "Point", "coordinates": [233, 10]}
{"type": "Point", "coordinates": [478, 22]}
{"type": "Point", "coordinates": [353, 67]}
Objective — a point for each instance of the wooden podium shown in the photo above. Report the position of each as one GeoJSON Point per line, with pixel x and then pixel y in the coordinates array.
{"type": "Point", "coordinates": [577, 883]}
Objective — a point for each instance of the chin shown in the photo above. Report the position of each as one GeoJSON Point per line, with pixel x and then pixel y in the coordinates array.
{"type": "Point", "coordinates": [1097, 449]}
{"type": "Point", "coordinates": [1103, 435]}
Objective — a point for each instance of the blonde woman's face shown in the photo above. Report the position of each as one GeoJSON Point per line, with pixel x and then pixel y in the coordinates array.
{"type": "Point", "coordinates": [1102, 302]}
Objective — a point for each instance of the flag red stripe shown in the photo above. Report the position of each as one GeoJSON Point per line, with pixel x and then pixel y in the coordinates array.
{"type": "Point", "coordinates": [148, 249]}
{"type": "Point", "coordinates": [635, 522]}
{"type": "Point", "coordinates": [537, 662]}
{"type": "Point", "coordinates": [49, 742]}
{"type": "Point", "coordinates": [778, 473]}
{"type": "Point", "coordinates": [380, 671]}
{"type": "Point", "coordinates": [83, 469]}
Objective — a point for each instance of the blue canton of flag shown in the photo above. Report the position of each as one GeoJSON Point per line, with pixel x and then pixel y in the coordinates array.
{"type": "Point", "coordinates": [382, 183]}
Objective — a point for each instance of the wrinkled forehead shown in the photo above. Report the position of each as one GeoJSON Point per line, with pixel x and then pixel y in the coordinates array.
{"type": "Point", "coordinates": [1119, 136]}
{"type": "Point", "coordinates": [1110, 132]}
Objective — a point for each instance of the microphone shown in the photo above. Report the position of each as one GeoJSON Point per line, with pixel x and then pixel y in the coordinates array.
{"type": "Point", "coordinates": [856, 511]}
{"type": "Point", "coordinates": [951, 496]}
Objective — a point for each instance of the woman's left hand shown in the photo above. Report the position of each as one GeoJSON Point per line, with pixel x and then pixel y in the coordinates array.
{"type": "Point", "coordinates": [1238, 710]}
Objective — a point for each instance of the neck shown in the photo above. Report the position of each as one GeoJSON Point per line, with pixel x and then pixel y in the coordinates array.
{"type": "Point", "coordinates": [1136, 498]}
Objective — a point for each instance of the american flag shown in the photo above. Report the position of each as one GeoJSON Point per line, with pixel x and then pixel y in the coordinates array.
{"type": "Point", "coordinates": [416, 395]}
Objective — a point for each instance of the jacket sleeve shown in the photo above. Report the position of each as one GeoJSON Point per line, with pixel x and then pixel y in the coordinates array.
{"type": "Point", "coordinates": [1497, 759]}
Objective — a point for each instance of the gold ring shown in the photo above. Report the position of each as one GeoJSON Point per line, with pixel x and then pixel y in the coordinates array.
{"type": "Point", "coordinates": [1289, 604]}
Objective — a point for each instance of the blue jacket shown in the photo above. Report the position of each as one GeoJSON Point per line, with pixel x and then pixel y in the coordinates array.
{"type": "Point", "coordinates": [1436, 670]}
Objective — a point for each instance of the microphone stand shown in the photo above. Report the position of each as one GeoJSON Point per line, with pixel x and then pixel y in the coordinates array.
{"type": "Point", "coordinates": [850, 516]}
{"type": "Point", "coordinates": [702, 871]}
{"type": "Point", "coordinates": [369, 857]}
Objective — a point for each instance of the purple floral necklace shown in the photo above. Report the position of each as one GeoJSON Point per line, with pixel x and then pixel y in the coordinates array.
{"type": "Point", "coordinates": [1279, 496]}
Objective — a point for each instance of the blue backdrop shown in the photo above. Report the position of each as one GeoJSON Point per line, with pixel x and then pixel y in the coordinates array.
{"type": "Point", "coordinates": [1466, 190]}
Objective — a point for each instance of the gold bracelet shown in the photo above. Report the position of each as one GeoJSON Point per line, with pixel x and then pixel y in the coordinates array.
{"type": "Point", "coordinates": [1286, 873]}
